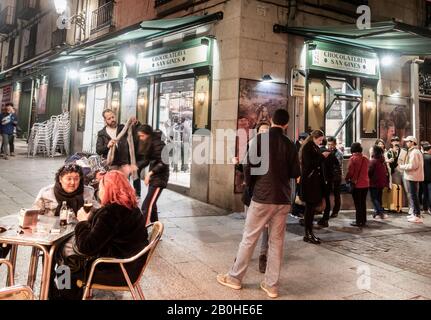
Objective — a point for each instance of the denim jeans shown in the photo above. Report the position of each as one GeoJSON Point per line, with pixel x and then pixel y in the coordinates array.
{"type": "Point", "coordinates": [413, 193]}
{"type": "Point", "coordinates": [5, 144]}
{"type": "Point", "coordinates": [427, 195]}
{"type": "Point", "coordinates": [376, 199]}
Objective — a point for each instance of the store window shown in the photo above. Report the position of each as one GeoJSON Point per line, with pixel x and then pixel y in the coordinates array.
{"type": "Point", "coordinates": [115, 98]}
{"type": "Point", "coordinates": [369, 112]}
{"type": "Point", "coordinates": [201, 109]}
{"type": "Point", "coordinates": [80, 124]}
{"type": "Point", "coordinates": [142, 102]}
{"type": "Point", "coordinates": [175, 121]}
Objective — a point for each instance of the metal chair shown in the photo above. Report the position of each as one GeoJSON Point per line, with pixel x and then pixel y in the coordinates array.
{"type": "Point", "coordinates": [134, 288]}
{"type": "Point", "coordinates": [14, 292]}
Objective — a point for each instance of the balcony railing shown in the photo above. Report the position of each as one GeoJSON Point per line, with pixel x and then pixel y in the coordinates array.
{"type": "Point", "coordinates": [102, 17]}
{"type": "Point", "coordinates": [58, 38]}
{"type": "Point", "coordinates": [7, 20]}
{"type": "Point", "coordinates": [27, 9]}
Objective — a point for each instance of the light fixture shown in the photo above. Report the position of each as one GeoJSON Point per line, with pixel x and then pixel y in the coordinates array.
{"type": "Point", "coordinates": [201, 96]}
{"type": "Point", "coordinates": [130, 59]}
{"type": "Point", "coordinates": [316, 100]}
{"type": "Point", "coordinates": [142, 101]}
{"type": "Point", "coordinates": [387, 60]}
{"type": "Point", "coordinates": [60, 6]}
{"type": "Point", "coordinates": [72, 74]}
{"type": "Point", "coordinates": [266, 78]}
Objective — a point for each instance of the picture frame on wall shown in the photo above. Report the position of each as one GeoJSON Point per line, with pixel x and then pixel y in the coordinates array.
{"type": "Point", "coordinates": [258, 101]}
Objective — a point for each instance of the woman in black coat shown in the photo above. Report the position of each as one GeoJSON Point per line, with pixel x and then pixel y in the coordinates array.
{"type": "Point", "coordinates": [117, 229]}
{"type": "Point", "coordinates": [312, 180]}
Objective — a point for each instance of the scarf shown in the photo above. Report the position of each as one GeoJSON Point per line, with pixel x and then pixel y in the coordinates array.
{"type": "Point", "coordinates": [74, 200]}
{"type": "Point", "coordinates": [110, 158]}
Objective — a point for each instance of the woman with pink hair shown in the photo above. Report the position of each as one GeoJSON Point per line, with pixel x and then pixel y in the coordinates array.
{"type": "Point", "coordinates": [116, 230]}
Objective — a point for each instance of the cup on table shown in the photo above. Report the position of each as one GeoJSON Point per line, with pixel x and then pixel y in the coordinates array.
{"type": "Point", "coordinates": [88, 205]}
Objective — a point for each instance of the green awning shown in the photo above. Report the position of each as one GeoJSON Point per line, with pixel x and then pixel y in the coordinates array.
{"type": "Point", "coordinates": [145, 31]}
{"type": "Point", "coordinates": [394, 36]}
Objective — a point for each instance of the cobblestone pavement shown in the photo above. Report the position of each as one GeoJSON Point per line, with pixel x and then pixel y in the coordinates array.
{"type": "Point", "coordinates": [388, 260]}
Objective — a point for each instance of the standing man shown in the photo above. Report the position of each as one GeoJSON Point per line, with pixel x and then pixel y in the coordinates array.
{"type": "Point", "coordinates": [107, 139]}
{"type": "Point", "coordinates": [157, 177]}
{"type": "Point", "coordinates": [413, 174]}
{"type": "Point", "coordinates": [270, 203]}
{"type": "Point", "coordinates": [8, 122]}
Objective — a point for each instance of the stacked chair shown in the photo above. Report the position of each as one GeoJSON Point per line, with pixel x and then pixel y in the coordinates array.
{"type": "Point", "coordinates": [51, 137]}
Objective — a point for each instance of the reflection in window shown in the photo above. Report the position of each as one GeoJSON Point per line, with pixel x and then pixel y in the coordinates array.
{"type": "Point", "coordinates": [369, 113]}
{"type": "Point", "coordinates": [316, 105]}
{"type": "Point", "coordinates": [142, 104]}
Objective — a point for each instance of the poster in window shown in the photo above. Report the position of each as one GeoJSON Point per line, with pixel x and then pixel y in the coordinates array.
{"type": "Point", "coordinates": [257, 103]}
{"type": "Point", "coordinates": [395, 118]}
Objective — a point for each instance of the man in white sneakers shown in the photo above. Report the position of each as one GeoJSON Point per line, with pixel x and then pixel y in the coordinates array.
{"type": "Point", "coordinates": [413, 174]}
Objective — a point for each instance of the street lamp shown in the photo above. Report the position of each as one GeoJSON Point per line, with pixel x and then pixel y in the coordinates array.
{"type": "Point", "coordinates": [60, 6]}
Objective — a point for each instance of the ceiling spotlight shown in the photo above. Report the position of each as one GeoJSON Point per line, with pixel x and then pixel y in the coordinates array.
{"type": "Point", "coordinates": [130, 59]}
{"type": "Point", "coordinates": [387, 60]}
{"type": "Point", "coordinates": [266, 78]}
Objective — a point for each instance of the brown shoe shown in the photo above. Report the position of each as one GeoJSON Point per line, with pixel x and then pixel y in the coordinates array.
{"type": "Point", "coordinates": [271, 292]}
{"type": "Point", "coordinates": [262, 263]}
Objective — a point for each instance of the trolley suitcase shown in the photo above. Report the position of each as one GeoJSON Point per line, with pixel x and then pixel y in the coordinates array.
{"type": "Point", "coordinates": [392, 199]}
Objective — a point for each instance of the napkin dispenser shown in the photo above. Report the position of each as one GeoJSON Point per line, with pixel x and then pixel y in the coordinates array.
{"type": "Point", "coordinates": [28, 218]}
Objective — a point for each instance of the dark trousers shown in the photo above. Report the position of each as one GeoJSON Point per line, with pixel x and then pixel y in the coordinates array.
{"type": "Point", "coordinates": [414, 196]}
{"type": "Point", "coordinates": [310, 209]}
{"type": "Point", "coordinates": [360, 200]}
{"type": "Point", "coordinates": [137, 184]}
{"type": "Point", "coordinates": [333, 186]}
{"type": "Point", "coordinates": [149, 206]}
{"type": "Point", "coordinates": [376, 198]}
{"type": "Point", "coordinates": [426, 187]}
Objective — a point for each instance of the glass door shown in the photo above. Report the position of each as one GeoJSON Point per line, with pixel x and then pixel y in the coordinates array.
{"type": "Point", "coordinates": [175, 121]}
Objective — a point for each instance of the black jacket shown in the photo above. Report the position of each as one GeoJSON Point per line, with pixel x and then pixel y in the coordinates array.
{"type": "Point", "coordinates": [152, 155]}
{"type": "Point", "coordinates": [122, 155]}
{"type": "Point", "coordinates": [331, 167]}
{"type": "Point", "coordinates": [313, 184]}
{"type": "Point", "coordinates": [113, 231]}
{"type": "Point", "coordinates": [427, 167]}
{"type": "Point", "coordinates": [272, 186]}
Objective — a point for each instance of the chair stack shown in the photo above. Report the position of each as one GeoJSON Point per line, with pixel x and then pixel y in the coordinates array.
{"type": "Point", "coordinates": [51, 137]}
{"type": "Point", "coordinates": [61, 135]}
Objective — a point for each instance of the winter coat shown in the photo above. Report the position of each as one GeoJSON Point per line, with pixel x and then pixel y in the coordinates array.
{"type": "Point", "coordinates": [358, 170]}
{"type": "Point", "coordinates": [8, 122]}
{"type": "Point", "coordinates": [114, 231]}
{"type": "Point", "coordinates": [414, 165]}
{"type": "Point", "coordinates": [122, 155]}
{"type": "Point", "coordinates": [270, 178]}
{"type": "Point", "coordinates": [378, 173]}
{"type": "Point", "coordinates": [313, 184]}
{"type": "Point", "coordinates": [152, 155]}
{"type": "Point", "coordinates": [47, 202]}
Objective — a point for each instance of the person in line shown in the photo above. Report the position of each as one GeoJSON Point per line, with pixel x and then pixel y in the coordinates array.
{"type": "Point", "coordinates": [270, 202]}
{"type": "Point", "coordinates": [392, 155]}
{"type": "Point", "coordinates": [413, 174]}
{"type": "Point", "coordinates": [427, 177]}
{"type": "Point", "coordinates": [117, 229]}
{"type": "Point", "coordinates": [332, 174]}
{"type": "Point", "coordinates": [8, 122]}
{"type": "Point", "coordinates": [379, 179]}
{"type": "Point", "coordinates": [313, 180]}
{"type": "Point", "coordinates": [357, 174]}
{"type": "Point", "coordinates": [298, 208]}
{"type": "Point", "coordinates": [158, 175]}
{"type": "Point", "coordinates": [69, 186]}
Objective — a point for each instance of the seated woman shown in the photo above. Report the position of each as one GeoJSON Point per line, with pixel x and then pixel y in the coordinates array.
{"type": "Point", "coordinates": [69, 187]}
{"type": "Point", "coordinates": [117, 230]}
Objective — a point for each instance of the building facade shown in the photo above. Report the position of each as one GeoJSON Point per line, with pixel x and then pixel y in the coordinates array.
{"type": "Point", "coordinates": [190, 68]}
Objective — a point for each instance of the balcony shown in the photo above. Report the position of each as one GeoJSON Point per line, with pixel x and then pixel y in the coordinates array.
{"type": "Point", "coordinates": [102, 17]}
{"type": "Point", "coordinates": [58, 38]}
{"type": "Point", "coordinates": [7, 20]}
{"type": "Point", "coordinates": [27, 9]}
{"type": "Point", "coordinates": [166, 7]}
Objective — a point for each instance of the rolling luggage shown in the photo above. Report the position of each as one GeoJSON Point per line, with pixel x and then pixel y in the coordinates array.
{"type": "Point", "coordinates": [392, 199]}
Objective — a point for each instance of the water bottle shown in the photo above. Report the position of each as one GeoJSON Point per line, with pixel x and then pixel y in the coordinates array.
{"type": "Point", "coordinates": [63, 214]}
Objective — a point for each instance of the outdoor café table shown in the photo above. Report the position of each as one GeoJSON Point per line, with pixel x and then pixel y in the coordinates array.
{"type": "Point", "coordinates": [39, 238]}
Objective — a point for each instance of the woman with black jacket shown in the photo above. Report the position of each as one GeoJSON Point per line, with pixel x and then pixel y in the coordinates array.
{"type": "Point", "coordinates": [117, 229]}
{"type": "Point", "coordinates": [312, 180]}
{"type": "Point", "coordinates": [157, 177]}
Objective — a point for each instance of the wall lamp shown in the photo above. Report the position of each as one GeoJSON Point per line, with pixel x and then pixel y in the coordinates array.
{"type": "Point", "coordinates": [316, 100]}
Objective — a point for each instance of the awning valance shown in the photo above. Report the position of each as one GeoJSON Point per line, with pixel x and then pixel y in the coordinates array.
{"type": "Point", "coordinates": [392, 35]}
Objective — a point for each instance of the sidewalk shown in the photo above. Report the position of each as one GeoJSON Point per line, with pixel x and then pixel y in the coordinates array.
{"type": "Point", "coordinates": [388, 260]}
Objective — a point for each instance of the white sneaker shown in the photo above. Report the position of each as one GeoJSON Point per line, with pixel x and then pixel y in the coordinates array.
{"type": "Point", "coordinates": [415, 219]}
{"type": "Point", "coordinates": [429, 211]}
{"type": "Point", "coordinates": [377, 217]}
{"type": "Point", "coordinates": [385, 216]}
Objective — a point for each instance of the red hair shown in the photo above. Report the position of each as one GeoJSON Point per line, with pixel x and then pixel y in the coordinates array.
{"type": "Point", "coordinates": [118, 190]}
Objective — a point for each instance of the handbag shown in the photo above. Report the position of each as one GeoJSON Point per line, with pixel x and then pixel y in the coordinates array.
{"type": "Point", "coordinates": [70, 256]}
{"type": "Point", "coordinates": [351, 185]}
